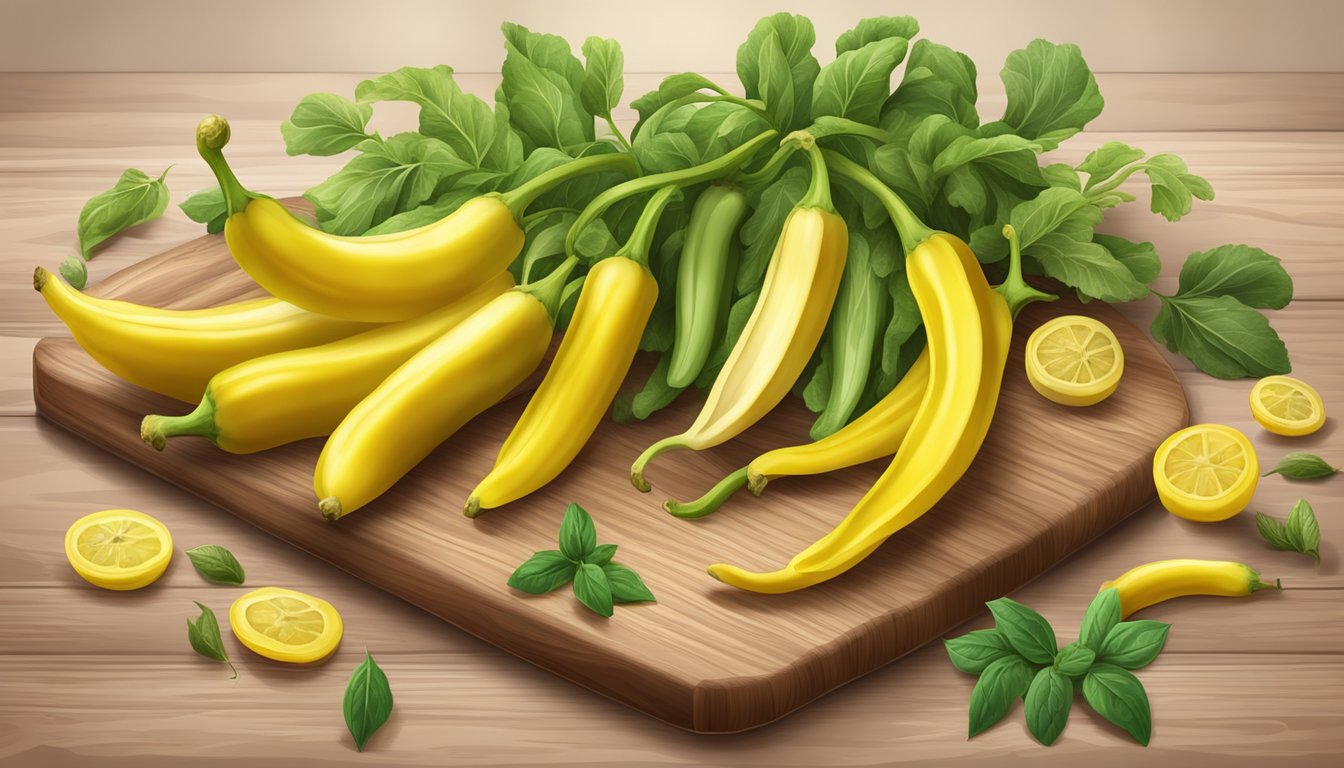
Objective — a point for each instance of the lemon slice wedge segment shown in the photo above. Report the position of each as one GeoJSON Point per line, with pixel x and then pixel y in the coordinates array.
{"type": "Point", "coordinates": [1206, 473]}
{"type": "Point", "coordinates": [1074, 360]}
{"type": "Point", "coordinates": [286, 625]}
{"type": "Point", "coordinates": [1287, 406]}
{"type": "Point", "coordinates": [119, 549]}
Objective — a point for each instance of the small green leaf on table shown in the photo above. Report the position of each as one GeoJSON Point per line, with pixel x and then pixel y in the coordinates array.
{"type": "Point", "coordinates": [974, 651]}
{"type": "Point", "coordinates": [1134, 644]}
{"type": "Point", "coordinates": [1300, 465]}
{"type": "Point", "coordinates": [134, 199]}
{"type": "Point", "coordinates": [203, 634]}
{"type": "Point", "coordinates": [593, 590]}
{"type": "Point", "coordinates": [1026, 630]}
{"type": "Point", "coordinates": [1048, 701]}
{"type": "Point", "coordinates": [1002, 682]}
{"type": "Point", "coordinates": [542, 572]}
{"type": "Point", "coordinates": [578, 535]}
{"type": "Point", "coordinates": [1299, 533]}
{"type": "Point", "coordinates": [368, 701]}
{"type": "Point", "coordinates": [216, 564]}
{"type": "Point", "coordinates": [1101, 617]}
{"type": "Point", "coordinates": [1117, 695]}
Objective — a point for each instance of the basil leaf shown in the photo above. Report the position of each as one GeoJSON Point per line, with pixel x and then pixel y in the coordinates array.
{"type": "Point", "coordinates": [203, 634]}
{"type": "Point", "coordinates": [1003, 682]}
{"type": "Point", "coordinates": [1117, 695]}
{"type": "Point", "coordinates": [1221, 336]}
{"type": "Point", "coordinates": [1272, 531]}
{"type": "Point", "coordinates": [216, 564]}
{"type": "Point", "coordinates": [937, 81]}
{"type": "Point", "coordinates": [389, 177]}
{"type": "Point", "coordinates": [858, 81]}
{"type": "Point", "coordinates": [1134, 644]}
{"type": "Point", "coordinates": [578, 535]}
{"type": "Point", "coordinates": [542, 572]}
{"type": "Point", "coordinates": [325, 124]}
{"type": "Point", "coordinates": [760, 232]}
{"type": "Point", "coordinates": [602, 77]}
{"type": "Point", "coordinates": [1174, 186]}
{"type": "Point", "coordinates": [974, 651]}
{"type": "Point", "coordinates": [1103, 614]}
{"type": "Point", "coordinates": [460, 120]}
{"type": "Point", "coordinates": [601, 554]}
{"type": "Point", "coordinates": [1302, 530]}
{"type": "Point", "coordinates": [1247, 274]}
{"type": "Point", "coordinates": [1300, 465]}
{"type": "Point", "coordinates": [207, 206]}
{"type": "Point", "coordinates": [1051, 92]}
{"type": "Point", "coordinates": [626, 586]}
{"type": "Point", "coordinates": [1047, 703]}
{"type": "Point", "coordinates": [75, 271]}
{"type": "Point", "coordinates": [1103, 162]}
{"type": "Point", "coordinates": [1068, 254]}
{"type": "Point", "coordinates": [776, 65]}
{"type": "Point", "coordinates": [134, 199]}
{"type": "Point", "coordinates": [1074, 659]}
{"type": "Point", "coordinates": [1026, 630]}
{"type": "Point", "coordinates": [1139, 258]}
{"type": "Point", "coordinates": [540, 89]}
{"type": "Point", "coordinates": [593, 590]}
{"type": "Point", "coordinates": [874, 29]}
{"type": "Point", "coordinates": [368, 701]}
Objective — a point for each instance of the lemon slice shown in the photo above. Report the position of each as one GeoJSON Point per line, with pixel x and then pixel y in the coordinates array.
{"type": "Point", "coordinates": [1074, 360]}
{"type": "Point", "coordinates": [1206, 473]}
{"type": "Point", "coordinates": [118, 548]}
{"type": "Point", "coordinates": [1287, 406]}
{"type": "Point", "coordinates": [285, 625]}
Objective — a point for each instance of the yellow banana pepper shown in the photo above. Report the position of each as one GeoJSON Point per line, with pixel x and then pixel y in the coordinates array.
{"type": "Point", "coordinates": [1152, 583]}
{"type": "Point", "coordinates": [442, 387]}
{"type": "Point", "coordinates": [287, 396]}
{"type": "Point", "coordinates": [175, 351]}
{"type": "Point", "coordinates": [379, 278]}
{"type": "Point", "coordinates": [784, 328]}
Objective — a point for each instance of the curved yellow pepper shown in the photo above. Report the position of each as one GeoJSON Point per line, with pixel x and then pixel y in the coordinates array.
{"type": "Point", "coordinates": [1152, 583]}
{"type": "Point", "coordinates": [287, 396]}
{"type": "Point", "coordinates": [175, 351]}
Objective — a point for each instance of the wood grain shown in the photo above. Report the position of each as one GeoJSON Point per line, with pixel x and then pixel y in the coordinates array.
{"type": "Point", "coordinates": [756, 658]}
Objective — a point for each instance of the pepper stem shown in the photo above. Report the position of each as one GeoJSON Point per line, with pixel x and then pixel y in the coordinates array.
{"type": "Point", "coordinates": [1257, 584]}
{"type": "Point", "coordinates": [155, 430]}
{"type": "Point", "coordinates": [1015, 289]}
{"type": "Point", "coordinates": [518, 198]}
{"type": "Point", "coordinates": [770, 170]}
{"type": "Point", "coordinates": [549, 289]}
{"type": "Point", "coordinates": [911, 230]}
{"type": "Point", "coordinates": [212, 134]}
{"type": "Point", "coordinates": [711, 501]}
{"type": "Point", "coordinates": [641, 239]}
{"type": "Point", "coordinates": [818, 194]}
{"type": "Point", "coordinates": [649, 454]}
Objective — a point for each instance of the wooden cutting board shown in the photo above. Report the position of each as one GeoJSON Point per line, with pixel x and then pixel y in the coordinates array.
{"type": "Point", "coordinates": [706, 657]}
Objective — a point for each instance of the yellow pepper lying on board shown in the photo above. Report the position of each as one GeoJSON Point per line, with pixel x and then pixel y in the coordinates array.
{"type": "Point", "coordinates": [1152, 583]}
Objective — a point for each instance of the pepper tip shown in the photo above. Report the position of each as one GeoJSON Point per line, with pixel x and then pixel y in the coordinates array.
{"type": "Point", "coordinates": [151, 434]}
{"type": "Point", "coordinates": [40, 278]}
{"type": "Point", "coordinates": [213, 132]}
{"type": "Point", "coordinates": [331, 508]}
{"type": "Point", "coordinates": [473, 506]}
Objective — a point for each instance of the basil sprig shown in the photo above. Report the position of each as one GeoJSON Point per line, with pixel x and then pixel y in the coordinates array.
{"type": "Point", "coordinates": [1020, 658]}
{"type": "Point", "coordinates": [598, 583]}
{"type": "Point", "coordinates": [1299, 533]}
{"type": "Point", "coordinates": [203, 634]}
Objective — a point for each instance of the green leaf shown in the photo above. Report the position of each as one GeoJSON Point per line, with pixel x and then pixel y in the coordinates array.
{"type": "Point", "coordinates": [908, 175]}
{"type": "Point", "coordinates": [1300, 465]}
{"type": "Point", "coordinates": [656, 393]}
{"type": "Point", "coordinates": [1134, 644]}
{"type": "Point", "coordinates": [134, 199]}
{"type": "Point", "coordinates": [974, 651]}
{"type": "Point", "coordinates": [578, 535]}
{"type": "Point", "coordinates": [1046, 213]}
{"type": "Point", "coordinates": [1047, 704]}
{"type": "Point", "coordinates": [672, 88]}
{"type": "Point", "coordinates": [1069, 254]}
{"type": "Point", "coordinates": [542, 572]}
{"type": "Point", "coordinates": [874, 29]}
{"type": "Point", "coordinates": [216, 564]}
{"type": "Point", "coordinates": [1051, 92]}
{"type": "Point", "coordinates": [1139, 258]}
{"type": "Point", "coordinates": [1103, 614]}
{"type": "Point", "coordinates": [601, 554]}
{"type": "Point", "coordinates": [1103, 162]}
{"type": "Point", "coordinates": [937, 81]}
{"type": "Point", "coordinates": [1272, 530]}
{"type": "Point", "coordinates": [1003, 682]}
{"type": "Point", "coordinates": [1302, 530]}
{"type": "Point", "coordinates": [593, 590]}
{"type": "Point", "coordinates": [75, 271]}
{"type": "Point", "coordinates": [388, 177]}
{"type": "Point", "coordinates": [1026, 630]}
{"type": "Point", "coordinates": [1247, 274]}
{"type": "Point", "coordinates": [761, 230]}
{"type": "Point", "coordinates": [1174, 186]}
{"type": "Point", "coordinates": [368, 701]}
{"type": "Point", "coordinates": [1117, 695]}
{"type": "Point", "coordinates": [207, 206]}
{"type": "Point", "coordinates": [325, 124]}
{"type": "Point", "coordinates": [603, 79]}
{"type": "Point", "coordinates": [858, 81]}
{"type": "Point", "coordinates": [1074, 659]}
{"type": "Point", "coordinates": [1221, 336]}
{"type": "Point", "coordinates": [626, 586]}
{"type": "Point", "coordinates": [988, 177]}
{"type": "Point", "coordinates": [425, 214]}
{"type": "Point", "coordinates": [901, 328]}
{"type": "Point", "coordinates": [203, 634]}
{"type": "Point", "coordinates": [541, 84]}
{"type": "Point", "coordinates": [776, 65]}
{"type": "Point", "coordinates": [1061, 175]}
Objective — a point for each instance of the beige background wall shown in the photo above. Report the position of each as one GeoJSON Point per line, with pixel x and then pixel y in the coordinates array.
{"type": "Point", "coordinates": [672, 35]}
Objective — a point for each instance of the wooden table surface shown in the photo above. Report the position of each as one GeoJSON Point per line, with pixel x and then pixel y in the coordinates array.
{"type": "Point", "coordinates": [89, 677]}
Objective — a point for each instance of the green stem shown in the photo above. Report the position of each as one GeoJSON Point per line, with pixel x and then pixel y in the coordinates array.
{"type": "Point", "coordinates": [1015, 289]}
{"type": "Point", "coordinates": [212, 134]}
{"type": "Point", "coordinates": [550, 289]}
{"type": "Point", "coordinates": [519, 198]}
{"type": "Point", "coordinates": [839, 126]}
{"type": "Point", "coordinates": [620, 137]}
{"type": "Point", "coordinates": [818, 194]}
{"type": "Point", "coordinates": [544, 212]}
{"type": "Point", "coordinates": [714, 169]}
{"type": "Point", "coordinates": [641, 239]}
{"type": "Point", "coordinates": [1257, 584]}
{"type": "Point", "coordinates": [1115, 181]}
{"type": "Point", "coordinates": [711, 501]}
{"type": "Point", "coordinates": [155, 430]}
{"type": "Point", "coordinates": [911, 230]}
{"type": "Point", "coordinates": [770, 170]}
